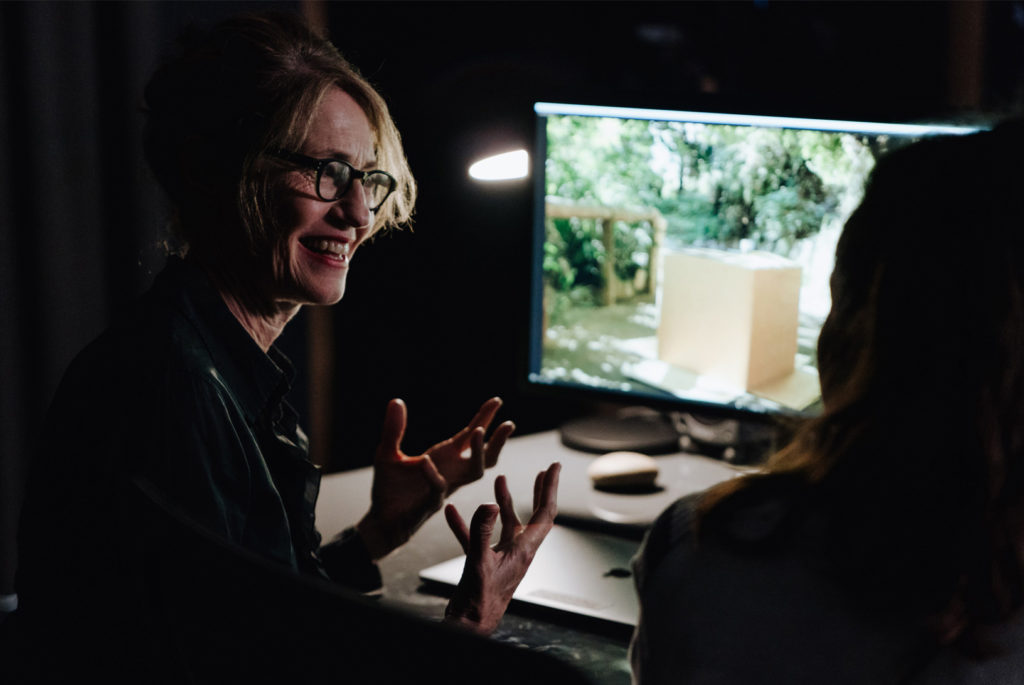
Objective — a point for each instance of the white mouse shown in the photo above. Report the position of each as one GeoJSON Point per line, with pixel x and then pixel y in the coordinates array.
{"type": "Point", "coordinates": [623, 470]}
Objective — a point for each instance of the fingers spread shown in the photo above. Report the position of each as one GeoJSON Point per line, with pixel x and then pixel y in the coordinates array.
{"type": "Point", "coordinates": [497, 441]}
{"type": "Point", "coordinates": [484, 415]}
{"type": "Point", "coordinates": [434, 478]}
{"type": "Point", "coordinates": [545, 503]}
{"type": "Point", "coordinates": [509, 520]}
{"type": "Point", "coordinates": [393, 430]}
{"type": "Point", "coordinates": [480, 530]}
{"type": "Point", "coordinates": [476, 454]}
{"type": "Point", "coordinates": [458, 526]}
{"type": "Point", "coordinates": [538, 490]}
{"type": "Point", "coordinates": [545, 509]}
{"type": "Point", "coordinates": [550, 490]}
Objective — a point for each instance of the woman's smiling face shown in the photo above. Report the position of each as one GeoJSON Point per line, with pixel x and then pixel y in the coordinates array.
{"type": "Point", "coordinates": [319, 239]}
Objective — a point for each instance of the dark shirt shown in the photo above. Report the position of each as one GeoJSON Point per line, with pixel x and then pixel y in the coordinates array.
{"type": "Point", "coordinates": [747, 601]}
{"type": "Point", "coordinates": [176, 394]}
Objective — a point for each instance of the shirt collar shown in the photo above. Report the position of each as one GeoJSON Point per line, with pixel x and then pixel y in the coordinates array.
{"type": "Point", "coordinates": [258, 380]}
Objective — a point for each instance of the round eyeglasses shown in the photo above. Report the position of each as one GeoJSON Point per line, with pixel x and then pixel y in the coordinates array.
{"type": "Point", "coordinates": [334, 177]}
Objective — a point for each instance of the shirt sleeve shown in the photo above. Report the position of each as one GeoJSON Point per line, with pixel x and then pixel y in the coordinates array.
{"type": "Point", "coordinates": [347, 562]}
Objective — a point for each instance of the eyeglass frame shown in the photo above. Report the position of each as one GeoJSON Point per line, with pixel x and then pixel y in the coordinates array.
{"type": "Point", "coordinates": [318, 165]}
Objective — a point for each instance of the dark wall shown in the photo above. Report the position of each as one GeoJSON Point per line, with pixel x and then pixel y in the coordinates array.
{"type": "Point", "coordinates": [437, 315]}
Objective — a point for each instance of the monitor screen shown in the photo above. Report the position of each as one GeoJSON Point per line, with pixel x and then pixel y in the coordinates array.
{"type": "Point", "coordinates": [684, 257]}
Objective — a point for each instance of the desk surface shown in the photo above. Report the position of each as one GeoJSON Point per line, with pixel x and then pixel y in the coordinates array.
{"type": "Point", "coordinates": [596, 647]}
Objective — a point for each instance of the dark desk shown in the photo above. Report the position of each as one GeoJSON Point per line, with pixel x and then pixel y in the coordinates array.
{"type": "Point", "coordinates": [598, 648]}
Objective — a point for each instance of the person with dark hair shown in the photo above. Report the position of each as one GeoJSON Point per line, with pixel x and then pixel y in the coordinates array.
{"type": "Point", "coordinates": [280, 161]}
{"type": "Point", "coordinates": [885, 543]}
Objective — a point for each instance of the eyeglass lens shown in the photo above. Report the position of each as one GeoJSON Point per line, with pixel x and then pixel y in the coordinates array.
{"type": "Point", "coordinates": [336, 178]}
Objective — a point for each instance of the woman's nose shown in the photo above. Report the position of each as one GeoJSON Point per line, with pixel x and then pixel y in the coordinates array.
{"type": "Point", "coordinates": [352, 206]}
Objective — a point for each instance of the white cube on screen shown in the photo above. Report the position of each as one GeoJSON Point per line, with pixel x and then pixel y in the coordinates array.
{"type": "Point", "coordinates": [731, 316]}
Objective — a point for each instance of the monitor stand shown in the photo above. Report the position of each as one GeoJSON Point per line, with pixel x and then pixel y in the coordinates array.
{"type": "Point", "coordinates": [629, 430]}
{"type": "Point", "coordinates": [638, 429]}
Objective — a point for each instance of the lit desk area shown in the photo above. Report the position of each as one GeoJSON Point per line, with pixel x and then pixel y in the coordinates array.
{"type": "Point", "coordinates": [597, 647]}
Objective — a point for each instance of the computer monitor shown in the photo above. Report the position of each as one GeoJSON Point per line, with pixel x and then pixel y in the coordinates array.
{"type": "Point", "coordinates": [681, 260]}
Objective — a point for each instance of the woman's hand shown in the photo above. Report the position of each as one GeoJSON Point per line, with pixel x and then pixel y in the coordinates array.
{"type": "Point", "coordinates": [455, 466]}
{"type": "Point", "coordinates": [407, 490]}
{"type": "Point", "coordinates": [491, 575]}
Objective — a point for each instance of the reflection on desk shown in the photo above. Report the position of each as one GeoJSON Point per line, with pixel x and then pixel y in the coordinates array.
{"type": "Point", "coordinates": [598, 647]}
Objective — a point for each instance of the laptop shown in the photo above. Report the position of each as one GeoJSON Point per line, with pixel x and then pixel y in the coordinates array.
{"type": "Point", "coordinates": [576, 571]}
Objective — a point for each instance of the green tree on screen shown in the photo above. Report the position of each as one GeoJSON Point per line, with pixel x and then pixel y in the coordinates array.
{"type": "Point", "coordinates": [716, 185]}
{"type": "Point", "coordinates": [600, 162]}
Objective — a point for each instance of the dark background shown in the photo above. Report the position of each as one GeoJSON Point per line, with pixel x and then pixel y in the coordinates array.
{"type": "Point", "coordinates": [435, 314]}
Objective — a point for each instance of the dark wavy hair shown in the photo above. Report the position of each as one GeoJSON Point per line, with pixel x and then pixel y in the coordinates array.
{"type": "Point", "coordinates": [232, 92]}
{"type": "Point", "coordinates": [914, 472]}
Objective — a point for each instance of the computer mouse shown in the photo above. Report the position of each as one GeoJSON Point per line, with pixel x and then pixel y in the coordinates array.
{"type": "Point", "coordinates": [623, 470]}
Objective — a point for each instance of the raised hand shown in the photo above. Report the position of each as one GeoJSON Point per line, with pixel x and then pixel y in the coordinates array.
{"type": "Point", "coordinates": [492, 574]}
{"type": "Point", "coordinates": [449, 456]}
{"type": "Point", "coordinates": [407, 490]}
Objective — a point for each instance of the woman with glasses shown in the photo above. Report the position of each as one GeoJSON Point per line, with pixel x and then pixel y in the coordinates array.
{"type": "Point", "coordinates": [280, 161]}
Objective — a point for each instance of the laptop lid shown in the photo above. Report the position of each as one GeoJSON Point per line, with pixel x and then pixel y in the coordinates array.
{"type": "Point", "coordinates": [576, 571]}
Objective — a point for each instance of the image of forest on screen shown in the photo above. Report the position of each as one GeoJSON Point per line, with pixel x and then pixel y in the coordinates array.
{"type": "Point", "coordinates": [623, 194]}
